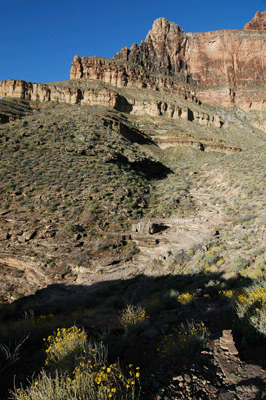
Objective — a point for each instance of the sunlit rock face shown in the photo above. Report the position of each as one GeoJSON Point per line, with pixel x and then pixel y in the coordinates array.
{"type": "Point", "coordinates": [217, 64]}
{"type": "Point", "coordinates": [224, 67]}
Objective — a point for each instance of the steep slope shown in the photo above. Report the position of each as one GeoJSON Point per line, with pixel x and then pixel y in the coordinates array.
{"type": "Point", "coordinates": [122, 186]}
{"type": "Point", "coordinates": [71, 172]}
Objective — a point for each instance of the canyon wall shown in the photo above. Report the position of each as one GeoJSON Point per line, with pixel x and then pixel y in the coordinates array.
{"type": "Point", "coordinates": [121, 73]}
{"type": "Point", "coordinates": [210, 66]}
{"type": "Point", "coordinates": [42, 92]}
{"type": "Point", "coordinates": [224, 67]}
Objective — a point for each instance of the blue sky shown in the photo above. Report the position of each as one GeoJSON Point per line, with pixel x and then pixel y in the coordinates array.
{"type": "Point", "coordinates": [40, 39]}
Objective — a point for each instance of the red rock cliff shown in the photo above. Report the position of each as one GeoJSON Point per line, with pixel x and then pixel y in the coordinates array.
{"type": "Point", "coordinates": [216, 63]}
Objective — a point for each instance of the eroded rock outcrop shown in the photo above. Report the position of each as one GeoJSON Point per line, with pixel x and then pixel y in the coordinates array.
{"type": "Point", "coordinates": [258, 23]}
{"type": "Point", "coordinates": [42, 92]}
{"type": "Point", "coordinates": [159, 108]}
{"type": "Point", "coordinates": [121, 73]}
{"type": "Point", "coordinates": [162, 50]}
{"type": "Point", "coordinates": [216, 63]}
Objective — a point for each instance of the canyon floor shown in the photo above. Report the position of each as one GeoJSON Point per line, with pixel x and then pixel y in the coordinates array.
{"type": "Point", "coordinates": [101, 208]}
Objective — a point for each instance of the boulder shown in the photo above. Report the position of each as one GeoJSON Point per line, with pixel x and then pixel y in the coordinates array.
{"type": "Point", "coordinates": [146, 227]}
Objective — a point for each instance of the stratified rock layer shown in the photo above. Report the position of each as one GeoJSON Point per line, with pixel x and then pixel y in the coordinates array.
{"type": "Point", "coordinates": [122, 73]}
{"type": "Point", "coordinates": [42, 92]}
{"type": "Point", "coordinates": [225, 67]}
{"type": "Point", "coordinates": [217, 63]}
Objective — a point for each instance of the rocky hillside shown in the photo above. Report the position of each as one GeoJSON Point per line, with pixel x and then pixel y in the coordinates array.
{"type": "Point", "coordinates": [140, 182]}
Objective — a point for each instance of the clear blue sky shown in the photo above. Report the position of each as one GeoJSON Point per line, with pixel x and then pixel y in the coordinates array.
{"type": "Point", "coordinates": [39, 39]}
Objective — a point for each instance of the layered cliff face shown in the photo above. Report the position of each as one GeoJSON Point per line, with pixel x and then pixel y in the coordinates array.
{"type": "Point", "coordinates": [216, 64]}
{"type": "Point", "coordinates": [100, 95]}
{"type": "Point", "coordinates": [42, 92]}
{"type": "Point", "coordinates": [129, 71]}
{"type": "Point", "coordinates": [224, 67]}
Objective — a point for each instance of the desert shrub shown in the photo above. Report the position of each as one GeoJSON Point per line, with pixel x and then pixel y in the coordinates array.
{"type": "Point", "coordinates": [166, 300]}
{"type": "Point", "coordinates": [10, 185]}
{"type": "Point", "coordinates": [84, 374]}
{"type": "Point", "coordinates": [89, 382]}
{"type": "Point", "coordinates": [154, 304]}
{"type": "Point", "coordinates": [211, 257]}
{"type": "Point", "coordinates": [30, 324]}
{"type": "Point", "coordinates": [214, 287]}
{"type": "Point", "coordinates": [170, 299]}
{"type": "Point", "coordinates": [9, 354]}
{"type": "Point", "coordinates": [133, 318]}
{"type": "Point", "coordinates": [117, 344]}
{"type": "Point", "coordinates": [239, 264]}
{"type": "Point", "coordinates": [257, 320]}
{"type": "Point", "coordinates": [115, 301]}
{"type": "Point", "coordinates": [187, 340]}
{"type": "Point", "coordinates": [64, 347]}
{"type": "Point", "coordinates": [250, 308]}
{"type": "Point", "coordinates": [230, 295]}
{"type": "Point", "coordinates": [185, 298]}
{"type": "Point", "coordinates": [256, 274]}
{"type": "Point", "coordinates": [74, 228]}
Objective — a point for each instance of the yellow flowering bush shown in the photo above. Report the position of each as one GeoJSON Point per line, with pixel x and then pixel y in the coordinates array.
{"type": "Point", "coordinates": [104, 383]}
{"type": "Point", "coordinates": [254, 297]}
{"type": "Point", "coordinates": [256, 274]}
{"type": "Point", "coordinates": [185, 298]}
{"type": "Point", "coordinates": [133, 318]}
{"type": "Point", "coordinates": [250, 307]}
{"type": "Point", "coordinates": [186, 340]}
{"type": "Point", "coordinates": [91, 379]}
{"type": "Point", "coordinates": [64, 347]}
{"type": "Point", "coordinates": [211, 257]}
{"type": "Point", "coordinates": [231, 294]}
{"type": "Point", "coordinates": [154, 305]}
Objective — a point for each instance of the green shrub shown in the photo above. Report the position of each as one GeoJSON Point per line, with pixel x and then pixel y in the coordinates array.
{"type": "Point", "coordinates": [251, 310]}
{"type": "Point", "coordinates": [133, 318]}
{"type": "Point", "coordinates": [187, 340]}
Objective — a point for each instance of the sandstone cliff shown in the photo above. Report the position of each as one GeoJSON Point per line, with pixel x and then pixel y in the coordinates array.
{"type": "Point", "coordinates": [93, 95]}
{"type": "Point", "coordinates": [42, 92]}
{"type": "Point", "coordinates": [124, 73]}
{"type": "Point", "coordinates": [216, 64]}
{"type": "Point", "coordinates": [227, 59]}
{"type": "Point", "coordinates": [224, 67]}
{"type": "Point", "coordinates": [258, 23]}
